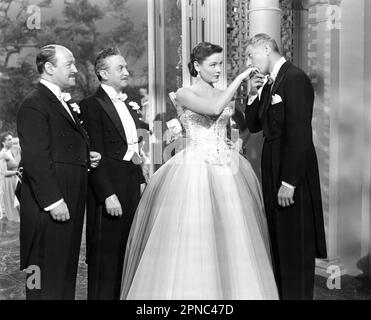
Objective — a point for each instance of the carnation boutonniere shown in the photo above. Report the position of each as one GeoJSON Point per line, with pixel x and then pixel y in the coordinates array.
{"type": "Point", "coordinates": [135, 106]}
{"type": "Point", "coordinates": [75, 107]}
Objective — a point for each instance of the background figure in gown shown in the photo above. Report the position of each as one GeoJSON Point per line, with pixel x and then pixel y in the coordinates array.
{"type": "Point", "coordinates": [2, 178]}
{"type": "Point", "coordinates": [11, 211]}
{"type": "Point", "coordinates": [200, 231]}
{"type": "Point", "coordinates": [16, 149]}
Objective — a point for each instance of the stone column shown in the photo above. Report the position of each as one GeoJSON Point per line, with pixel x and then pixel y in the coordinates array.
{"type": "Point", "coordinates": [156, 75]}
{"type": "Point", "coordinates": [336, 54]}
{"type": "Point", "coordinates": [215, 15]}
{"type": "Point", "coordinates": [265, 17]}
{"type": "Point", "coordinates": [204, 20]}
{"type": "Point", "coordinates": [320, 60]}
{"type": "Point", "coordinates": [354, 136]}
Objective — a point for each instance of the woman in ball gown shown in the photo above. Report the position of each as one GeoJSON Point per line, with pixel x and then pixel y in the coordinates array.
{"type": "Point", "coordinates": [200, 230]}
{"type": "Point", "coordinates": [2, 180]}
{"type": "Point", "coordinates": [9, 173]}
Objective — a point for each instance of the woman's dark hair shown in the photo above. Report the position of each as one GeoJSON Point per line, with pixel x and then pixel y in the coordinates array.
{"type": "Point", "coordinates": [200, 53]}
{"type": "Point", "coordinates": [4, 135]}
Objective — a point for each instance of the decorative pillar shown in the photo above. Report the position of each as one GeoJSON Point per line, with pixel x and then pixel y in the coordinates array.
{"type": "Point", "coordinates": [204, 20]}
{"type": "Point", "coordinates": [265, 17]}
{"type": "Point", "coordinates": [338, 64]}
{"type": "Point", "coordinates": [288, 35]}
{"type": "Point", "coordinates": [187, 43]}
{"type": "Point", "coordinates": [156, 57]}
{"type": "Point", "coordinates": [366, 250]}
{"type": "Point", "coordinates": [354, 136]}
{"type": "Point", "coordinates": [237, 36]}
{"type": "Point", "coordinates": [320, 47]}
{"type": "Point", "coordinates": [215, 15]}
{"type": "Point", "coordinates": [156, 74]}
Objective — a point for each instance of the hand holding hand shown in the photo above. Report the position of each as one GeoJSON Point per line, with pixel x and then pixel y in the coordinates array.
{"type": "Point", "coordinates": [60, 213]}
{"type": "Point", "coordinates": [137, 159]}
{"type": "Point", "coordinates": [256, 83]}
{"type": "Point", "coordinates": [285, 196]}
{"type": "Point", "coordinates": [249, 72]}
{"type": "Point", "coordinates": [113, 206]}
{"type": "Point", "coordinates": [95, 158]}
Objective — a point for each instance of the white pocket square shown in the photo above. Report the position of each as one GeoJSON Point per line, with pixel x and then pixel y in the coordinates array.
{"type": "Point", "coordinates": [276, 99]}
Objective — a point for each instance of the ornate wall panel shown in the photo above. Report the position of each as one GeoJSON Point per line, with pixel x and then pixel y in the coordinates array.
{"type": "Point", "coordinates": [238, 33]}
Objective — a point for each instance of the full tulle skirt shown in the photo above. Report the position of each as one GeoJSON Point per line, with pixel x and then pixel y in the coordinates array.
{"type": "Point", "coordinates": [200, 232]}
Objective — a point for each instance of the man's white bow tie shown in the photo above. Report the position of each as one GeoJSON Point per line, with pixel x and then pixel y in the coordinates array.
{"type": "Point", "coordinates": [65, 96]}
{"type": "Point", "coordinates": [120, 96]}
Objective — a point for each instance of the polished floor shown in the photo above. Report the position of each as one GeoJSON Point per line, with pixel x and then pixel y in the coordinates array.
{"type": "Point", "coordinates": [12, 280]}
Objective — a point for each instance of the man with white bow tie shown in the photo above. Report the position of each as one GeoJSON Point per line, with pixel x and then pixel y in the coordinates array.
{"type": "Point", "coordinates": [55, 161]}
{"type": "Point", "coordinates": [114, 187]}
{"type": "Point", "coordinates": [282, 107]}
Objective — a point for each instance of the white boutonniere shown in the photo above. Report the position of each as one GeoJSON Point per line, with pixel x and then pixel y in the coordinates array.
{"type": "Point", "coordinates": [135, 106]}
{"type": "Point", "coordinates": [75, 107]}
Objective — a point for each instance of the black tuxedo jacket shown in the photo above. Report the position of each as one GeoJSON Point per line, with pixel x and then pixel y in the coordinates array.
{"type": "Point", "coordinates": [289, 121]}
{"type": "Point", "coordinates": [297, 232]}
{"type": "Point", "coordinates": [108, 137]}
{"type": "Point", "coordinates": [106, 236]}
{"type": "Point", "coordinates": [54, 149]}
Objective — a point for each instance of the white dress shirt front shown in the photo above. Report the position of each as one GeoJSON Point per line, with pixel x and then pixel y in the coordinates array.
{"type": "Point", "coordinates": [126, 120]}
{"type": "Point", "coordinates": [58, 93]}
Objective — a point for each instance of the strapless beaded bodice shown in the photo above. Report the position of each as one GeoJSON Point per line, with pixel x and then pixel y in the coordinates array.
{"type": "Point", "coordinates": [208, 134]}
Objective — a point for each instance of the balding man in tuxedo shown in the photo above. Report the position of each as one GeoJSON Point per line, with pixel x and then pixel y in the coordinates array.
{"type": "Point", "coordinates": [55, 161]}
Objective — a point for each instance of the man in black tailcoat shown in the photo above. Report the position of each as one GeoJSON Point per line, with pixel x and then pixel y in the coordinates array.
{"type": "Point", "coordinates": [115, 186]}
{"type": "Point", "coordinates": [55, 161]}
{"type": "Point", "coordinates": [282, 108]}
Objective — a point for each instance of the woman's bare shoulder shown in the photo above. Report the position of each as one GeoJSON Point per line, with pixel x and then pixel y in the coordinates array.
{"type": "Point", "coordinates": [185, 95]}
{"type": "Point", "coordinates": [184, 91]}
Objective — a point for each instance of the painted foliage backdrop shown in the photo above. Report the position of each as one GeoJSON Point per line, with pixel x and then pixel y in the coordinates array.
{"type": "Point", "coordinates": [83, 26]}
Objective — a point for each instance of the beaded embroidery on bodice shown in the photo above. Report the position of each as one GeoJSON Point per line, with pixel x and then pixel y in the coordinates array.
{"type": "Point", "coordinates": [207, 134]}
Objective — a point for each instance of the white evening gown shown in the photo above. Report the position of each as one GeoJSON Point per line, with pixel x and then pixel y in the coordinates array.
{"type": "Point", "coordinates": [200, 231]}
